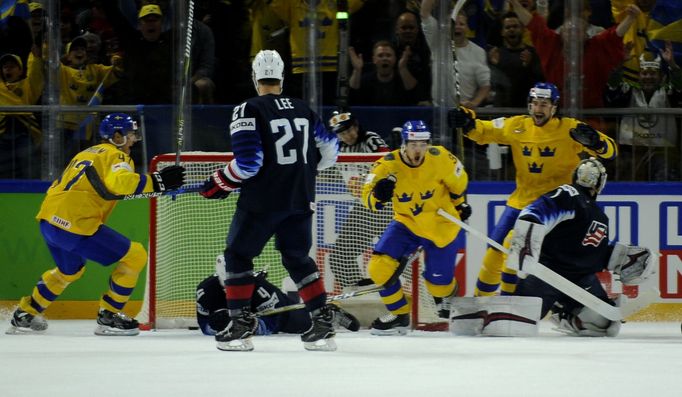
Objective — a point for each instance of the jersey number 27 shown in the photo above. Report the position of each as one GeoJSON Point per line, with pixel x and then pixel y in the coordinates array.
{"type": "Point", "coordinates": [286, 154]}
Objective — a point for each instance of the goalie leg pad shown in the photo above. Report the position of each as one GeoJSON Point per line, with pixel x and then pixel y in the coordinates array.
{"type": "Point", "coordinates": [496, 316]}
{"type": "Point", "coordinates": [633, 264]}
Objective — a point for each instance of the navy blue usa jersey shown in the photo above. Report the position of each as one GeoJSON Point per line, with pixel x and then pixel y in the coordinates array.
{"type": "Point", "coordinates": [279, 144]}
{"type": "Point", "coordinates": [212, 308]}
{"type": "Point", "coordinates": [577, 241]}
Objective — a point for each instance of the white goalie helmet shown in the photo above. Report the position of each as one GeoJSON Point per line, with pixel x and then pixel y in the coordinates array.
{"type": "Point", "coordinates": [267, 64]}
{"type": "Point", "coordinates": [591, 174]}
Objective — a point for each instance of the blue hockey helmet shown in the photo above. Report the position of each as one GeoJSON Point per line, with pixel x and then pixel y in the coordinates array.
{"type": "Point", "coordinates": [415, 130]}
{"type": "Point", "coordinates": [116, 122]}
{"type": "Point", "coordinates": [544, 90]}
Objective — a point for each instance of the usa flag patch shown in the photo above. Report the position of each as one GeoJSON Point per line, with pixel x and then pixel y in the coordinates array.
{"type": "Point", "coordinates": [595, 234]}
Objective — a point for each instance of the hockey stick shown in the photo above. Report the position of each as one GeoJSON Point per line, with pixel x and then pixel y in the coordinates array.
{"type": "Point", "coordinates": [342, 82]}
{"type": "Point", "coordinates": [459, 131]}
{"type": "Point", "coordinates": [406, 260]}
{"type": "Point", "coordinates": [101, 189]}
{"type": "Point", "coordinates": [549, 276]}
{"type": "Point", "coordinates": [180, 137]}
{"type": "Point", "coordinates": [346, 295]}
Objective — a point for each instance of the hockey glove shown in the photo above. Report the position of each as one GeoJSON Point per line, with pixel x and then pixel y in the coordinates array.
{"type": "Point", "coordinates": [463, 118]}
{"type": "Point", "coordinates": [464, 210]}
{"type": "Point", "coordinates": [169, 178]}
{"type": "Point", "coordinates": [587, 136]}
{"type": "Point", "coordinates": [383, 190]}
{"type": "Point", "coordinates": [218, 186]}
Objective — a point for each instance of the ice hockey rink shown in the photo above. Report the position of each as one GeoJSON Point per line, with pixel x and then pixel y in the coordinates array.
{"type": "Point", "coordinates": [69, 360]}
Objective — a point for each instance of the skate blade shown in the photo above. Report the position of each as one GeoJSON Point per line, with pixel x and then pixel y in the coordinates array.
{"type": "Point", "coordinates": [12, 330]}
{"type": "Point", "coordinates": [103, 330]}
{"type": "Point", "coordinates": [326, 345]}
{"type": "Point", "coordinates": [389, 332]}
{"type": "Point", "coordinates": [237, 345]}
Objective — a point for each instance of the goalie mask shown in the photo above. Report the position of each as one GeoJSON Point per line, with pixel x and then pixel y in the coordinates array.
{"type": "Point", "coordinates": [267, 64]}
{"type": "Point", "coordinates": [591, 174]}
{"type": "Point", "coordinates": [117, 122]}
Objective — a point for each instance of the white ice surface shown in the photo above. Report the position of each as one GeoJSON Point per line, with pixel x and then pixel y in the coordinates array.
{"type": "Point", "coordinates": [69, 360]}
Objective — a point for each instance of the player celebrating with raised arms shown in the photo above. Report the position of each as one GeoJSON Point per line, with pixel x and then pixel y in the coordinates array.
{"type": "Point", "coordinates": [545, 148]}
{"type": "Point", "coordinates": [418, 179]}
{"type": "Point", "coordinates": [72, 218]}
{"type": "Point", "coordinates": [279, 144]}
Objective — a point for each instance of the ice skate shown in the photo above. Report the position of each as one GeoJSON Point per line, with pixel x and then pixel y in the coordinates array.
{"type": "Point", "coordinates": [115, 324]}
{"type": "Point", "coordinates": [391, 324]}
{"type": "Point", "coordinates": [25, 323]}
{"type": "Point", "coordinates": [320, 336]}
{"type": "Point", "coordinates": [237, 335]}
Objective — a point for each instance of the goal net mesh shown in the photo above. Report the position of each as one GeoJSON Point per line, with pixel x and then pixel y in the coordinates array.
{"type": "Point", "coordinates": [189, 231]}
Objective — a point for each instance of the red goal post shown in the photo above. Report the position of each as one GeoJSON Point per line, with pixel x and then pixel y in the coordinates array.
{"type": "Point", "coordinates": [188, 232]}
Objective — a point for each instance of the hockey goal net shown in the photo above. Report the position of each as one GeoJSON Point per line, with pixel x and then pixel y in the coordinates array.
{"type": "Point", "coordinates": [188, 232]}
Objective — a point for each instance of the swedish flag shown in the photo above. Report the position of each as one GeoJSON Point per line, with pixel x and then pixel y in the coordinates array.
{"type": "Point", "coordinates": [668, 14]}
{"type": "Point", "coordinates": [18, 8]}
{"type": "Point", "coordinates": [651, 30]}
{"type": "Point", "coordinates": [95, 100]}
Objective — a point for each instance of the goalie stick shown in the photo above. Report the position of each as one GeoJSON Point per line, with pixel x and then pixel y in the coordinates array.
{"type": "Point", "coordinates": [549, 276]}
{"type": "Point", "coordinates": [101, 189]}
{"type": "Point", "coordinates": [404, 262]}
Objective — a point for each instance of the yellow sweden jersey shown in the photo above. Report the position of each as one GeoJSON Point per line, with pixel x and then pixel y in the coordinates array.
{"type": "Point", "coordinates": [73, 204]}
{"type": "Point", "coordinates": [296, 14]}
{"type": "Point", "coordinates": [439, 182]}
{"type": "Point", "coordinates": [544, 157]}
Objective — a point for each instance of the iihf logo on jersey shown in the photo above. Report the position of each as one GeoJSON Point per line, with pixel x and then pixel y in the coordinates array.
{"type": "Point", "coordinates": [595, 234]}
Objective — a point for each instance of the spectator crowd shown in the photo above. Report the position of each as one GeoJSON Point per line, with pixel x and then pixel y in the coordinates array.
{"type": "Point", "coordinates": [125, 53]}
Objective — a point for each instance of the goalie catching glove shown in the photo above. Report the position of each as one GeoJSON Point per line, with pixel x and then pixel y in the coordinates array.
{"type": "Point", "coordinates": [383, 190]}
{"type": "Point", "coordinates": [169, 178]}
{"type": "Point", "coordinates": [526, 243]}
{"type": "Point", "coordinates": [631, 263]}
{"type": "Point", "coordinates": [588, 137]}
